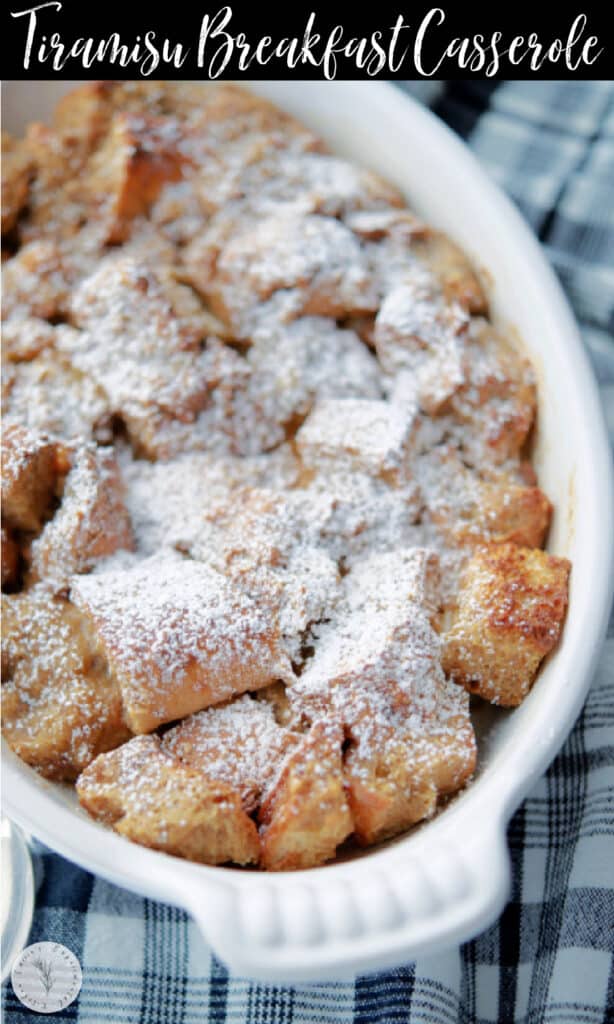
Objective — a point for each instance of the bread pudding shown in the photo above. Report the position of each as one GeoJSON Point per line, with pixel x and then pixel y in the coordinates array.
{"type": "Point", "coordinates": [270, 529]}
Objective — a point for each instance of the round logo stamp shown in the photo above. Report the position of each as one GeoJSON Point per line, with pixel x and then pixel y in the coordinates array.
{"type": "Point", "coordinates": [46, 977]}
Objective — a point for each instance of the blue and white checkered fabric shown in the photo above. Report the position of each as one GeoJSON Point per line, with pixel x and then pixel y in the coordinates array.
{"type": "Point", "coordinates": [550, 956]}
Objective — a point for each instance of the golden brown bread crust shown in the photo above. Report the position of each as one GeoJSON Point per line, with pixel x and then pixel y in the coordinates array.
{"type": "Point", "coordinates": [470, 510]}
{"type": "Point", "coordinates": [306, 815]}
{"type": "Point", "coordinates": [448, 261]}
{"type": "Point", "coordinates": [36, 282]}
{"type": "Point", "coordinates": [313, 263]}
{"type": "Point", "coordinates": [497, 399]}
{"type": "Point", "coordinates": [376, 670]}
{"type": "Point", "coordinates": [25, 339]}
{"type": "Point", "coordinates": [91, 523]}
{"type": "Point", "coordinates": [239, 743]}
{"type": "Point", "coordinates": [16, 168]}
{"type": "Point", "coordinates": [178, 637]}
{"type": "Point", "coordinates": [511, 609]}
{"type": "Point", "coordinates": [49, 395]}
{"type": "Point", "coordinates": [125, 176]}
{"type": "Point", "coordinates": [398, 778]}
{"type": "Point", "coordinates": [31, 465]}
{"type": "Point", "coordinates": [56, 202]}
{"type": "Point", "coordinates": [151, 798]}
{"type": "Point", "coordinates": [60, 706]}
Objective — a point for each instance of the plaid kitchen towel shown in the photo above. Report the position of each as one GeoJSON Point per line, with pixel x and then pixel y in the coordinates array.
{"type": "Point", "coordinates": [550, 956]}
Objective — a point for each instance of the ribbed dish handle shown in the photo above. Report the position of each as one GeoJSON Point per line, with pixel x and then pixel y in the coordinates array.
{"type": "Point", "coordinates": [362, 916]}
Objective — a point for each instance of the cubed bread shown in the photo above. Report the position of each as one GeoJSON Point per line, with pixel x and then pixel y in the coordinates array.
{"type": "Point", "coordinates": [85, 113]}
{"type": "Point", "coordinates": [265, 542]}
{"type": "Point", "coordinates": [178, 637]}
{"type": "Point", "coordinates": [511, 608]}
{"type": "Point", "coordinates": [295, 365]}
{"type": "Point", "coordinates": [31, 465]}
{"type": "Point", "coordinates": [52, 396]}
{"type": "Point", "coordinates": [91, 523]}
{"type": "Point", "coordinates": [376, 669]}
{"type": "Point", "coordinates": [451, 266]}
{"type": "Point", "coordinates": [35, 282]}
{"type": "Point", "coordinates": [397, 770]}
{"type": "Point", "coordinates": [306, 814]}
{"type": "Point", "coordinates": [313, 264]}
{"type": "Point", "coordinates": [61, 706]}
{"type": "Point", "coordinates": [495, 405]}
{"type": "Point", "coordinates": [154, 800]}
{"type": "Point", "coordinates": [373, 437]}
{"type": "Point", "coordinates": [239, 743]}
{"type": "Point", "coordinates": [421, 335]}
{"type": "Point", "coordinates": [139, 154]}
{"type": "Point", "coordinates": [25, 339]}
{"type": "Point", "coordinates": [16, 170]}
{"type": "Point", "coordinates": [128, 323]}
{"type": "Point", "coordinates": [356, 513]}
{"type": "Point", "coordinates": [57, 202]}
{"type": "Point", "coordinates": [470, 511]}
{"type": "Point", "coordinates": [218, 380]}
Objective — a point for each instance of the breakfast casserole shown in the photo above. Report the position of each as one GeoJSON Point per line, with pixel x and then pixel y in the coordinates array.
{"type": "Point", "coordinates": [270, 529]}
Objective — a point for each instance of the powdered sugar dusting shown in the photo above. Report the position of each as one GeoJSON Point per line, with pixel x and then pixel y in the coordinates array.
{"type": "Point", "coordinates": [284, 426]}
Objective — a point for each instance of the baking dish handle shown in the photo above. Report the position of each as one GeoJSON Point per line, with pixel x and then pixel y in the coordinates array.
{"type": "Point", "coordinates": [365, 915]}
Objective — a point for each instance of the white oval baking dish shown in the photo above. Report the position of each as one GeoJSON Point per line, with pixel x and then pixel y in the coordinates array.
{"type": "Point", "coordinates": [447, 880]}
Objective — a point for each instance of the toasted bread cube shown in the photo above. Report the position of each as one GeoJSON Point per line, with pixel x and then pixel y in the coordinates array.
{"type": "Point", "coordinates": [472, 511]}
{"type": "Point", "coordinates": [396, 775]}
{"type": "Point", "coordinates": [35, 282]}
{"type": "Point", "coordinates": [16, 171]}
{"type": "Point", "coordinates": [239, 743]}
{"type": "Point", "coordinates": [417, 333]}
{"type": "Point", "coordinates": [381, 627]}
{"type": "Point", "coordinates": [60, 705]}
{"type": "Point", "coordinates": [138, 156]}
{"type": "Point", "coordinates": [23, 340]}
{"type": "Point", "coordinates": [306, 815]}
{"type": "Point", "coordinates": [91, 523]}
{"type": "Point", "coordinates": [374, 437]}
{"type": "Point", "coordinates": [265, 543]}
{"type": "Point", "coordinates": [49, 395]}
{"type": "Point", "coordinates": [10, 558]}
{"type": "Point", "coordinates": [57, 200]}
{"type": "Point", "coordinates": [449, 263]}
{"type": "Point", "coordinates": [406, 751]}
{"type": "Point", "coordinates": [151, 798]}
{"type": "Point", "coordinates": [216, 379]}
{"type": "Point", "coordinates": [355, 513]}
{"type": "Point", "coordinates": [496, 403]}
{"type": "Point", "coordinates": [127, 321]}
{"type": "Point", "coordinates": [31, 464]}
{"type": "Point", "coordinates": [299, 363]}
{"type": "Point", "coordinates": [315, 262]}
{"type": "Point", "coordinates": [376, 669]}
{"type": "Point", "coordinates": [85, 113]}
{"type": "Point", "coordinates": [179, 637]}
{"type": "Point", "coordinates": [511, 608]}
